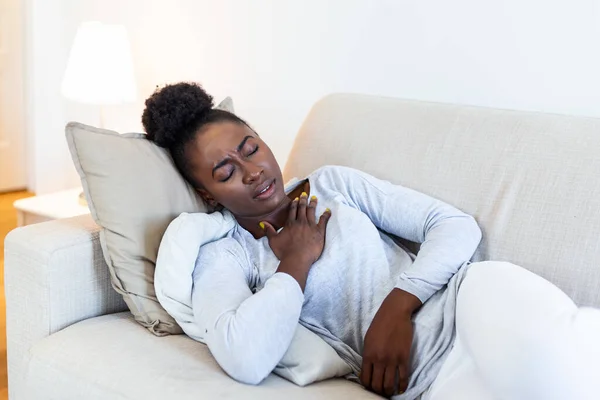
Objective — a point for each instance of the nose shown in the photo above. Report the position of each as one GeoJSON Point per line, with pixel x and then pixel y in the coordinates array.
{"type": "Point", "coordinates": [252, 173]}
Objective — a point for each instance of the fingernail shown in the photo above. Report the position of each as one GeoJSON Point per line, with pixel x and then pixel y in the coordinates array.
{"type": "Point", "coordinates": [327, 210]}
{"type": "Point", "coordinates": [296, 199]}
{"type": "Point", "coordinates": [303, 194]}
{"type": "Point", "coordinates": [262, 225]}
{"type": "Point", "coordinates": [313, 198]}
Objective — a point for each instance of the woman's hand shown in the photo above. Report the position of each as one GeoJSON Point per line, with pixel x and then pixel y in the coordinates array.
{"type": "Point", "coordinates": [386, 352]}
{"type": "Point", "coordinates": [302, 239]}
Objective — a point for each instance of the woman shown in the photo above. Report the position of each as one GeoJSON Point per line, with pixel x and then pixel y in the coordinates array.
{"type": "Point", "coordinates": [319, 253]}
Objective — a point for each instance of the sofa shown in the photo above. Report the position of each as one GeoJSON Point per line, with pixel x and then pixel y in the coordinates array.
{"type": "Point", "coordinates": [530, 179]}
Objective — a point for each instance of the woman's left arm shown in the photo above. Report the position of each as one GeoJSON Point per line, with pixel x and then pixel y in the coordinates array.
{"type": "Point", "coordinates": [448, 236]}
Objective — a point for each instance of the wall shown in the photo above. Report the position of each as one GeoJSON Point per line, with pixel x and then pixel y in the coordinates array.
{"type": "Point", "coordinates": [275, 58]}
{"type": "Point", "coordinates": [13, 172]}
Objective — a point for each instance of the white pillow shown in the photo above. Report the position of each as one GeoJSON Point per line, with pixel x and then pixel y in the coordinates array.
{"type": "Point", "coordinates": [309, 359]}
{"type": "Point", "coordinates": [133, 191]}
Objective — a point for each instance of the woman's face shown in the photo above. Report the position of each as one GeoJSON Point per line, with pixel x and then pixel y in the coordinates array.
{"type": "Point", "coordinates": [237, 169]}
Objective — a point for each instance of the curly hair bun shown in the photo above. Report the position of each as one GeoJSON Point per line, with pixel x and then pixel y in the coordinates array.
{"type": "Point", "coordinates": [173, 110]}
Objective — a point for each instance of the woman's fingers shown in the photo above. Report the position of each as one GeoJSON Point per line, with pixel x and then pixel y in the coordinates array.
{"type": "Point", "coordinates": [324, 220]}
{"type": "Point", "coordinates": [310, 211]}
{"type": "Point", "coordinates": [377, 378]}
{"type": "Point", "coordinates": [268, 228]}
{"type": "Point", "coordinates": [293, 211]}
{"type": "Point", "coordinates": [402, 377]}
{"type": "Point", "coordinates": [302, 207]}
{"type": "Point", "coordinates": [389, 380]}
{"type": "Point", "coordinates": [366, 372]}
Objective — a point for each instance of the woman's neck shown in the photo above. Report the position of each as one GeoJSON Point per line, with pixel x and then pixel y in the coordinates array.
{"type": "Point", "coordinates": [277, 217]}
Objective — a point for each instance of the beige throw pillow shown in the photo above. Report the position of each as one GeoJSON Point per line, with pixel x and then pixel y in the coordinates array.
{"type": "Point", "coordinates": [133, 191]}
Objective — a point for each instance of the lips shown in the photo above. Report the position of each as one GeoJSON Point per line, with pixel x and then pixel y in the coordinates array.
{"type": "Point", "coordinates": [263, 187]}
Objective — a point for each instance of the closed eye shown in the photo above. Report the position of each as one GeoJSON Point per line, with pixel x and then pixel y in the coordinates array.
{"type": "Point", "coordinates": [227, 178]}
{"type": "Point", "coordinates": [233, 169]}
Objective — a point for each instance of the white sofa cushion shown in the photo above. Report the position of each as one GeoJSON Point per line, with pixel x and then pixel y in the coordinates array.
{"type": "Point", "coordinates": [112, 357]}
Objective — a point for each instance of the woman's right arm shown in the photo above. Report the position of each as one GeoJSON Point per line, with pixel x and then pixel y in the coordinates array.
{"type": "Point", "coordinates": [247, 333]}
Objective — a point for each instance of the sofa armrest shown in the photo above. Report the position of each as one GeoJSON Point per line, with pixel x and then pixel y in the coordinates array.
{"type": "Point", "coordinates": [55, 275]}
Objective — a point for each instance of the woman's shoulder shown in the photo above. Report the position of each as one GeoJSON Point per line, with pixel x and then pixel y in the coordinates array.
{"type": "Point", "coordinates": [225, 249]}
{"type": "Point", "coordinates": [333, 176]}
{"type": "Point", "coordinates": [224, 257]}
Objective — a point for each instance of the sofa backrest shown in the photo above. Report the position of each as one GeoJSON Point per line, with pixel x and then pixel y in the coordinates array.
{"type": "Point", "coordinates": [531, 180]}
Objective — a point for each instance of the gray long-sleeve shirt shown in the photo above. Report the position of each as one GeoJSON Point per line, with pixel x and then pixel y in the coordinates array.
{"type": "Point", "coordinates": [249, 312]}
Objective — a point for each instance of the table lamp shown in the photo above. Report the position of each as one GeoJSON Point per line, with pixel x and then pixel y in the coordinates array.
{"type": "Point", "coordinates": [100, 67]}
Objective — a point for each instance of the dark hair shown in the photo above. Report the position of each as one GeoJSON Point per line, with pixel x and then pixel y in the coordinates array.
{"type": "Point", "coordinates": [174, 115]}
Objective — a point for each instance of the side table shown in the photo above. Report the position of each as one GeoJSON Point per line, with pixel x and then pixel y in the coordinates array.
{"type": "Point", "coordinates": [64, 204]}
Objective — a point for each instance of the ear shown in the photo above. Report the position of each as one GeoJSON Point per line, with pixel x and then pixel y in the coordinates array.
{"type": "Point", "coordinates": [208, 198]}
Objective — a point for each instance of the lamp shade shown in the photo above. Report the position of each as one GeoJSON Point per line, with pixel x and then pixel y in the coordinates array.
{"type": "Point", "coordinates": [100, 67]}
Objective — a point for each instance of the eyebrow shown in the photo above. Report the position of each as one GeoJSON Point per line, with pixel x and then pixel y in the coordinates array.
{"type": "Point", "coordinates": [226, 159]}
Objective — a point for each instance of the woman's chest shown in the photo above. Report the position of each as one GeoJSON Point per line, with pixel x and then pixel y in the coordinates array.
{"type": "Point", "coordinates": [351, 240]}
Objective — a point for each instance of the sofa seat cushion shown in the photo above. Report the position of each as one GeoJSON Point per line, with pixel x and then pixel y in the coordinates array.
{"type": "Point", "coordinates": [113, 357]}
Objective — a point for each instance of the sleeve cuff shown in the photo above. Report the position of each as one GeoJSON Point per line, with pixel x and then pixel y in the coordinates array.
{"type": "Point", "coordinates": [290, 286]}
{"type": "Point", "coordinates": [406, 284]}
